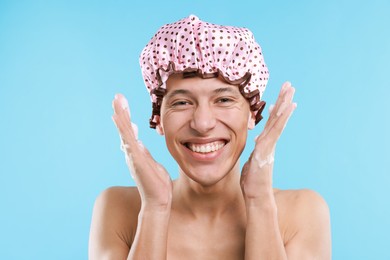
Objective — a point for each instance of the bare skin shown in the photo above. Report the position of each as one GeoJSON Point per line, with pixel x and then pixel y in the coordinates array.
{"type": "Point", "coordinates": [213, 210]}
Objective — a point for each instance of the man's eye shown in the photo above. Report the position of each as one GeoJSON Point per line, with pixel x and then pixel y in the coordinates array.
{"type": "Point", "coordinates": [224, 100]}
{"type": "Point", "coordinates": [180, 103]}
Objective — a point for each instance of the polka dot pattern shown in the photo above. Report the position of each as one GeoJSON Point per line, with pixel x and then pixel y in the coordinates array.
{"type": "Point", "coordinates": [192, 45]}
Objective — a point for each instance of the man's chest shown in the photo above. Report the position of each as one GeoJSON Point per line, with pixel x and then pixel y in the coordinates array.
{"type": "Point", "coordinates": [197, 241]}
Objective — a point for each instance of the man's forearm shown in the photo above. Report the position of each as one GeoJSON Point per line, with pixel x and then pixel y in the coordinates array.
{"type": "Point", "coordinates": [263, 239]}
{"type": "Point", "coordinates": [150, 241]}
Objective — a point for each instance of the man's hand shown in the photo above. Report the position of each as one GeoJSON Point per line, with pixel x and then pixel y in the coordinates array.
{"type": "Point", "coordinates": [153, 181]}
{"type": "Point", "coordinates": [256, 178]}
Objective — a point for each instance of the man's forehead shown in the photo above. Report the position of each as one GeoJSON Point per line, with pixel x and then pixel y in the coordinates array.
{"type": "Point", "coordinates": [177, 84]}
{"type": "Point", "coordinates": [211, 89]}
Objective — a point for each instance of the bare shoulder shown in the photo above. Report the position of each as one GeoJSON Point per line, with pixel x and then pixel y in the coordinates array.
{"type": "Point", "coordinates": [119, 198]}
{"type": "Point", "coordinates": [298, 206]}
{"type": "Point", "coordinates": [303, 199]}
{"type": "Point", "coordinates": [118, 206]}
{"type": "Point", "coordinates": [114, 221]}
{"type": "Point", "coordinates": [305, 223]}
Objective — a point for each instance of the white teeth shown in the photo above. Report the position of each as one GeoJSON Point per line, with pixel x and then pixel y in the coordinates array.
{"type": "Point", "coordinates": [206, 148]}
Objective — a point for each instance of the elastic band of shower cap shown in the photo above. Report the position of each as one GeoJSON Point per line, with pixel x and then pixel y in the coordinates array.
{"type": "Point", "coordinates": [207, 50]}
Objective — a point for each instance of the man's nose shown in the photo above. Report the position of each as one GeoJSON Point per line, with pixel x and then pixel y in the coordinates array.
{"type": "Point", "coordinates": [203, 119]}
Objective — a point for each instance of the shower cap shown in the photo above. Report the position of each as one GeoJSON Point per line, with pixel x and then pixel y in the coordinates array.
{"type": "Point", "coordinates": [192, 46]}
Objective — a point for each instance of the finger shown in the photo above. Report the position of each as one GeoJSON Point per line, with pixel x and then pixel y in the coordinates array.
{"type": "Point", "coordinates": [139, 160]}
{"type": "Point", "coordinates": [267, 140]}
{"type": "Point", "coordinates": [135, 130]}
{"type": "Point", "coordinates": [282, 93]}
{"type": "Point", "coordinates": [278, 111]}
{"type": "Point", "coordinates": [121, 106]}
{"type": "Point", "coordinates": [125, 130]}
{"type": "Point", "coordinates": [271, 107]}
{"type": "Point", "coordinates": [284, 87]}
{"type": "Point", "coordinates": [133, 148]}
{"type": "Point", "coordinates": [280, 124]}
{"type": "Point", "coordinates": [128, 131]}
{"type": "Point", "coordinates": [286, 101]}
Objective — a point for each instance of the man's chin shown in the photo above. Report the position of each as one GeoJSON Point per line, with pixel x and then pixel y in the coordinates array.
{"type": "Point", "coordinates": [207, 175]}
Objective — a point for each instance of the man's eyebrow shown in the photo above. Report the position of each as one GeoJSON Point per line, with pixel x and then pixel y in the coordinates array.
{"type": "Point", "coordinates": [177, 92]}
{"type": "Point", "coordinates": [222, 90]}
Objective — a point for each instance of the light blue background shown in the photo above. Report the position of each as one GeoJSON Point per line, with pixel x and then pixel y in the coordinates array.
{"type": "Point", "coordinates": [61, 62]}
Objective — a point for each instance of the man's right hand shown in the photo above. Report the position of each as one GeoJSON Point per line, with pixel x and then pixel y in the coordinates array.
{"type": "Point", "coordinates": [153, 181]}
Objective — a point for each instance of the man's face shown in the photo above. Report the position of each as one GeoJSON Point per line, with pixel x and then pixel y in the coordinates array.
{"type": "Point", "coordinates": [205, 122]}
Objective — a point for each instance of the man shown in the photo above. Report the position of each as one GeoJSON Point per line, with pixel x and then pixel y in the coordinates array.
{"type": "Point", "coordinates": [206, 95]}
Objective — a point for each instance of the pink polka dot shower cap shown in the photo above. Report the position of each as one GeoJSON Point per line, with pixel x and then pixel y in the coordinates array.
{"type": "Point", "coordinates": [207, 50]}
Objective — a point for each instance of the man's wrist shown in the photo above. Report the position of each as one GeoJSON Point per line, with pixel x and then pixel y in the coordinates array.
{"type": "Point", "coordinates": [154, 216]}
{"type": "Point", "coordinates": [264, 202]}
{"type": "Point", "coordinates": [152, 209]}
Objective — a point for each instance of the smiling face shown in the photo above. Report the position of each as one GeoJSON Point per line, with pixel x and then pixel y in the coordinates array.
{"type": "Point", "coordinates": [205, 123]}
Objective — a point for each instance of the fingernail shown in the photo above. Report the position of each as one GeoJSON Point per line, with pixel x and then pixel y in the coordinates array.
{"type": "Point", "coordinates": [135, 130]}
{"type": "Point", "coordinates": [271, 107]}
{"type": "Point", "coordinates": [286, 85]}
{"type": "Point", "coordinates": [116, 96]}
{"type": "Point", "coordinates": [295, 105]}
{"type": "Point", "coordinates": [124, 104]}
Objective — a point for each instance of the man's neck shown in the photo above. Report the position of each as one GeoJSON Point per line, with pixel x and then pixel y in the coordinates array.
{"type": "Point", "coordinates": [210, 201]}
